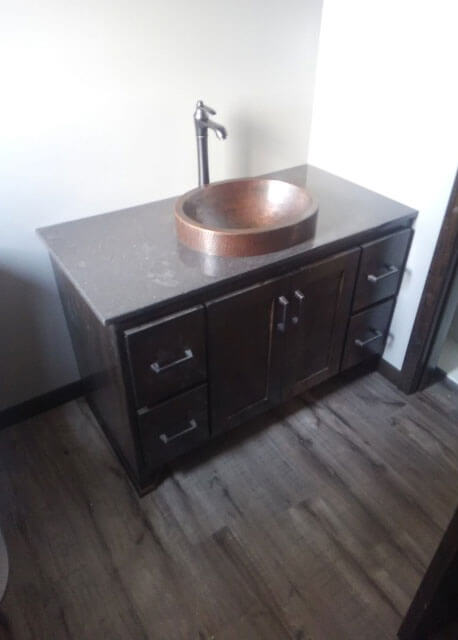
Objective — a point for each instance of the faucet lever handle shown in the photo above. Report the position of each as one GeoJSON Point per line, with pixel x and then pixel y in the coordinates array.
{"type": "Point", "coordinates": [204, 107]}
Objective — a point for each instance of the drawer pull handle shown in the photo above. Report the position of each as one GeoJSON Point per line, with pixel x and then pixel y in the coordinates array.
{"type": "Point", "coordinates": [159, 368]}
{"type": "Point", "coordinates": [391, 271]}
{"type": "Point", "coordinates": [362, 343]}
{"type": "Point", "coordinates": [300, 299]}
{"type": "Point", "coordinates": [283, 302]}
{"type": "Point", "coordinates": [166, 439]}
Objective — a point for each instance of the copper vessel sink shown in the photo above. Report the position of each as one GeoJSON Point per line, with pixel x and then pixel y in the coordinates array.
{"type": "Point", "coordinates": [245, 217]}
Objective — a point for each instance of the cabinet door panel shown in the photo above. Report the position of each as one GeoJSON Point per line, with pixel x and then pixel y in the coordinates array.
{"type": "Point", "coordinates": [321, 303]}
{"type": "Point", "coordinates": [244, 344]}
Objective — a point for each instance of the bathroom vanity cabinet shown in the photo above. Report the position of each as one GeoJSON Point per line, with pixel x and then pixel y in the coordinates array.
{"type": "Point", "coordinates": [176, 348]}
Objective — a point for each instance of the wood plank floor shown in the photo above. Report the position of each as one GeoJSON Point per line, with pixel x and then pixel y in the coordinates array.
{"type": "Point", "coordinates": [316, 523]}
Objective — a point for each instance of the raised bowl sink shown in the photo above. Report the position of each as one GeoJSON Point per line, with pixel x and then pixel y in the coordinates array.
{"type": "Point", "coordinates": [245, 217]}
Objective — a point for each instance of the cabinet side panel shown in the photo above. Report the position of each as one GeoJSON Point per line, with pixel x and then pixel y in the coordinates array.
{"type": "Point", "coordinates": [99, 366]}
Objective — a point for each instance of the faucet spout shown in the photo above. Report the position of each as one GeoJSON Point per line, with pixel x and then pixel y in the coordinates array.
{"type": "Point", "coordinates": [220, 131]}
{"type": "Point", "coordinates": [202, 124]}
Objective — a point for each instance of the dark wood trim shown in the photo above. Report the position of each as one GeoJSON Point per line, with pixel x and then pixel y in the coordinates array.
{"type": "Point", "coordinates": [47, 401]}
{"type": "Point", "coordinates": [432, 301]}
{"type": "Point", "coordinates": [389, 372]}
{"type": "Point", "coordinates": [434, 604]}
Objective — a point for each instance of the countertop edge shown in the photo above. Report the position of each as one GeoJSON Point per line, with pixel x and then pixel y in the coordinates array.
{"type": "Point", "coordinates": [54, 257]}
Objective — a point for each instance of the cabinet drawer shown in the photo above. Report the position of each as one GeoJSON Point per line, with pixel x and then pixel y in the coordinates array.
{"type": "Point", "coordinates": [167, 356]}
{"type": "Point", "coordinates": [174, 426]}
{"type": "Point", "coordinates": [367, 333]}
{"type": "Point", "coordinates": [380, 270]}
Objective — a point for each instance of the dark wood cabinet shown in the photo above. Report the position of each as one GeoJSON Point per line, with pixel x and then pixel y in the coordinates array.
{"type": "Point", "coordinates": [321, 297]}
{"type": "Point", "coordinates": [174, 426]}
{"type": "Point", "coordinates": [246, 342]}
{"type": "Point", "coordinates": [367, 333]}
{"type": "Point", "coordinates": [167, 356]}
{"type": "Point", "coordinates": [277, 338]}
{"type": "Point", "coordinates": [381, 268]}
{"type": "Point", "coordinates": [163, 384]}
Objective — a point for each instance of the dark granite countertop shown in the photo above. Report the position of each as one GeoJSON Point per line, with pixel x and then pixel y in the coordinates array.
{"type": "Point", "coordinates": [130, 260]}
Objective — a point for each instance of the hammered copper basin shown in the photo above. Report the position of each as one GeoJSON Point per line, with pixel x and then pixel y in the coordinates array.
{"type": "Point", "coordinates": [245, 217]}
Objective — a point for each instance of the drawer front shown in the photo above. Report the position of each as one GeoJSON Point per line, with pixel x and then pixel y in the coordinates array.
{"type": "Point", "coordinates": [367, 334]}
{"type": "Point", "coordinates": [380, 270]}
{"type": "Point", "coordinates": [174, 426]}
{"type": "Point", "coordinates": [167, 356]}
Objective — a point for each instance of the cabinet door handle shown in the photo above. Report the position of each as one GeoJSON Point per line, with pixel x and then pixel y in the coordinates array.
{"type": "Point", "coordinates": [299, 296]}
{"type": "Point", "coordinates": [391, 271]}
{"type": "Point", "coordinates": [166, 439]}
{"type": "Point", "coordinates": [377, 335]}
{"type": "Point", "coordinates": [159, 368]}
{"type": "Point", "coordinates": [283, 302]}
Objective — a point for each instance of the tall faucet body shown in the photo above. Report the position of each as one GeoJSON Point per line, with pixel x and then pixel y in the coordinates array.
{"type": "Point", "coordinates": [202, 124]}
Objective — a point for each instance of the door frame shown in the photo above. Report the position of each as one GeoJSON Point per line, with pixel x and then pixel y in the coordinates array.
{"type": "Point", "coordinates": [433, 604]}
{"type": "Point", "coordinates": [415, 373]}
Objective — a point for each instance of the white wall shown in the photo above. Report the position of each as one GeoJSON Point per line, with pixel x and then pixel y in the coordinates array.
{"type": "Point", "coordinates": [96, 114]}
{"type": "Point", "coordinates": [385, 116]}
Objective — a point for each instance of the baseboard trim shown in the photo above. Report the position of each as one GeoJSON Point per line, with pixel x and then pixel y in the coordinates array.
{"type": "Point", "coordinates": [47, 401]}
{"type": "Point", "coordinates": [448, 382]}
{"type": "Point", "coordinates": [389, 372]}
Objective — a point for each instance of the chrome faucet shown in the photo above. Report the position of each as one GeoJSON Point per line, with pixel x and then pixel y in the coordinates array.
{"type": "Point", "coordinates": [203, 123]}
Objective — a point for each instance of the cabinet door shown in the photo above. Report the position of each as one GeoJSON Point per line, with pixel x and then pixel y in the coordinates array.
{"type": "Point", "coordinates": [321, 297]}
{"type": "Point", "coordinates": [246, 336]}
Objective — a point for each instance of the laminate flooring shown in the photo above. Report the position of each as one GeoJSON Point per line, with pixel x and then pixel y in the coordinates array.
{"type": "Point", "coordinates": [315, 521]}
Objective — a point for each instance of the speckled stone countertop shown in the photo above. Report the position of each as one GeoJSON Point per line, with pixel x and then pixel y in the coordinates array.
{"type": "Point", "coordinates": [130, 260]}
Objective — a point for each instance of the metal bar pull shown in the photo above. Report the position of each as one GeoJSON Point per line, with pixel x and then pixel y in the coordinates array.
{"type": "Point", "coordinates": [376, 336]}
{"type": "Point", "coordinates": [283, 302]}
{"type": "Point", "coordinates": [391, 271]}
{"type": "Point", "coordinates": [299, 296]}
{"type": "Point", "coordinates": [159, 368]}
{"type": "Point", "coordinates": [166, 439]}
